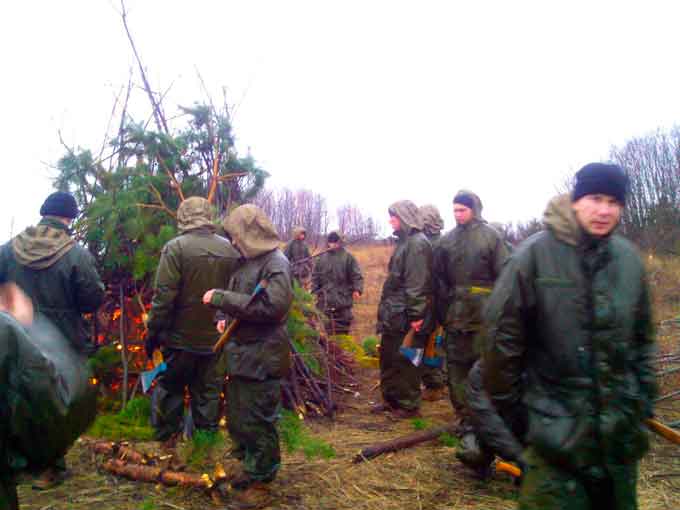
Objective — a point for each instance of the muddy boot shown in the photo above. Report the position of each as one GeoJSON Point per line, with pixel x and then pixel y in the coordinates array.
{"type": "Point", "coordinates": [433, 394]}
{"type": "Point", "coordinates": [255, 495]}
{"type": "Point", "coordinates": [50, 478]}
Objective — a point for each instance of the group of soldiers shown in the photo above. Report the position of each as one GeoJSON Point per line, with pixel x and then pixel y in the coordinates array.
{"type": "Point", "coordinates": [548, 349]}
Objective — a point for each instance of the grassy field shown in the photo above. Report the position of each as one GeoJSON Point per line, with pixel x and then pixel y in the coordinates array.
{"type": "Point", "coordinates": [425, 477]}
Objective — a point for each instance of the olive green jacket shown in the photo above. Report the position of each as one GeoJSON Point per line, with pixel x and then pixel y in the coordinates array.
{"type": "Point", "coordinates": [336, 276]}
{"type": "Point", "coordinates": [259, 348]}
{"type": "Point", "coordinates": [190, 264]}
{"type": "Point", "coordinates": [467, 261]}
{"type": "Point", "coordinates": [571, 314]}
{"type": "Point", "coordinates": [407, 292]}
{"type": "Point", "coordinates": [58, 275]}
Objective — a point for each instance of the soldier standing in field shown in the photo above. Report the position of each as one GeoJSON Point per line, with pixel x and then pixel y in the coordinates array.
{"type": "Point", "coordinates": [337, 282]}
{"type": "Point", "coordinates": [570, 334]}
{"type": "Point", "coordinates": [405, 304]}
{"type": "Point", "coordinates": [299, 256]}
{"type": "Point", "coordinates": [182, 327]}
{"type": "Point", "coordinates": [434, 378]}
{"type": "Point", "coordinates": [62, 281]}
{"type": "Point", "coordinates": [258, 353]}
{"type": "Point", "coordinates": [467, 262]}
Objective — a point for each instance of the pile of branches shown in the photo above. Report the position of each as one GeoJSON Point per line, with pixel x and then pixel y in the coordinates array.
{"type": "Point", "coordinates": [322, 371]}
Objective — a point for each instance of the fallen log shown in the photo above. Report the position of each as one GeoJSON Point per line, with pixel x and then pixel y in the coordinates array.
{"type": "Point", "coordinates": [122, 452]}
{"type": "Point", "coordinates": [400, 443]}
{"type": "Point", "coordinates": [153, 474]}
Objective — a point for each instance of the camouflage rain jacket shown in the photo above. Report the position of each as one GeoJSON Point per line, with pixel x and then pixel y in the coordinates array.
{"type": "Point", "coordinates": [407, 292]}
{"type": "Point", "coordinates": [336, 276]}
{"type": "Point", "coordinates": [259, 348]}
{"type": "Point", "coordinates": [467, 261]}
{"type": "Point", "coordinates": [195, 261]}
{"type": "Point", "coordinates": [57, 274]}
{"type": "Point", "coordinates": [572, 313]}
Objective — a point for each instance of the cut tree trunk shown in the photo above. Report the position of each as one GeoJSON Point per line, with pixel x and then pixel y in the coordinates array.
{"type": "Point", "coordinates": [402, 442]}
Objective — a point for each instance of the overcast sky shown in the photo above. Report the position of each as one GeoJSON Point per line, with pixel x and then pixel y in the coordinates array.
{"type": "Point", "coordinates": [363, 101]}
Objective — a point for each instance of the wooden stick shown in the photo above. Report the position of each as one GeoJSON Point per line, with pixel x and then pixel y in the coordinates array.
{"type": "Point", "coordinates": [663, 430]}
{"type": "Point", "coordinates": [402, 442]}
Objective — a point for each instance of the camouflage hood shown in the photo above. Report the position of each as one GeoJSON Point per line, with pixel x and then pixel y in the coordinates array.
{"type": "Point", "coordinates": [477, 209]}
{"type": "Point", "coordinates": [559, 218]}
{"type": "Point", "coordinates": [432, 220]}
{"type": "Point", "coordinates": [407, 212]}
{"type": "Point", "coordinates": [42, 246]}
{"type": "Point", "coordinates": [251, 231]}
{"type": "Point", "coordinates": [298, 230]}
{"type": "Point", "coordinates": [193, 213]}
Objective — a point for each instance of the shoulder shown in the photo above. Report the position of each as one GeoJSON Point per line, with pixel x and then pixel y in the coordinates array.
{"type": "Point", "coordinates": [625, 250]}
{"type": "Point", "coordinates": [276, 262]}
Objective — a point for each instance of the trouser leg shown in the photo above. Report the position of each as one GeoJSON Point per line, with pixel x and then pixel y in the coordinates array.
{"type": "Point", "coordinates": [168, 396]}
{"type": "Point", "coordinates": [461, 354]}
{"type": "Point", "coordinates": [399, 378]}
{"type": "Point", "coordinates": [205, 392]}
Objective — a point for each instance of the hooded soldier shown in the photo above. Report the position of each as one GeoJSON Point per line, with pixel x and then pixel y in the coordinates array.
{"type": "Point", "coordinates": [182, 327]}
{"type": "Point", "coordinates": [298, 254]}
{"type": "Point", "coordinates": [570, 314]}
{"type": "Point", "coordinates": [61, 280]}
{"type": "Point", "coordinates": [405, 304]}
{"type": "Point", "coordinates": [258, 352]}
{"type": "Point", "coordinates": [434, 378]}
{"type": "Point", "coordinates": [467, 262]}
{"type": "Point", "coordinates": [337, 282]}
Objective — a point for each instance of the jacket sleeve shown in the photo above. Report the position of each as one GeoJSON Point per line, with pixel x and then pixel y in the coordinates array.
{"type": "Point", "coordinates": [355, 276]}
{"type": "Point", "coordinates": [287, 251]}
{"type": "Point", "coordinates": [507, 314]}
{"type": "Point", "coordinates": [88, 284]}
{"type": "Point", "coordinates": [645, 350]}
{"type": "Point", "coordinates": [440, 284]}
{"type": "Point", "coordinates": [417, 273]}
{"type": "Point", "coordinates": [271, 305]}
{"type": "Point", "coordinates": [166, 289]}
{"type": "Point", "coordinates": [317, 276]}
{"type": "Point", "coordinates": [500, 254]}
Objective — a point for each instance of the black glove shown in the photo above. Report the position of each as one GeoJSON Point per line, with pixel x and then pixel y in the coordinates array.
{"type": "Point", "coordinates": [151, 343]}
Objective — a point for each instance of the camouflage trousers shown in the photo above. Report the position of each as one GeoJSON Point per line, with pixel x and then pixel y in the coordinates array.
{"type": "Point", "coordinates": [399, 379]}
{"type": "Point", "coordinates": [613, 487]}
{"type": "Point", "coordinates": [199, 373]}
{"type": "Point", "coordinates": [254, 407]}
{"type": "Point", "coordinates": [338, 321]}
{"type": "Point", "coordinates": [461, 354]}
{"type": "Point", "coordinates": [8, 493]}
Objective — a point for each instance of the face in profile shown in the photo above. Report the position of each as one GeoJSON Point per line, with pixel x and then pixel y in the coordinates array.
{"type": "Point", "coordinates": [598, 214]}
{"type": "Point", "coordinates": [395, 223]}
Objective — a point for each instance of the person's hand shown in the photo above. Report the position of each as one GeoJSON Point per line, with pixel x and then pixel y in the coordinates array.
{"type": "Point", "coordinates": [221, 325]}
{"type": "Point", "coordinates": [151, 343]}
{"type": "Point", "coordinates": [16, 303]}
{"type": "Point", "coordinates": [207, 297]}
{"type": "Point", "coordinates": [356, 295]}
{"type": "Point", "coordinates": [416, 325]}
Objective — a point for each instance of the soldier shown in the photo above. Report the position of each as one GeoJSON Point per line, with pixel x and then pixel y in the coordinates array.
{"type": "Point", "coordinates": [61, 279]}
{"type": "Point", "coordinates": [434, 378]}
{"type": "Point", "coordinates": [258, 353]}
{"type": "Point", "coordinates": [182, 327]}
{"type": "Point", "coordinates": [405, 303]}
{"type": "Point", "coordinates": [298, 254]}
{"type": "Point", "coordinates": [467, 262]}
{"type": "Point", "coordinates": [571, 313]}
{"type": "Point", "coordinates": [336, 283]}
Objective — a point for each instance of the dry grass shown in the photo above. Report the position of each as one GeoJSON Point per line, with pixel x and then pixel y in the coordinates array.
{"type": "Point", "coordinates": [424, 477]}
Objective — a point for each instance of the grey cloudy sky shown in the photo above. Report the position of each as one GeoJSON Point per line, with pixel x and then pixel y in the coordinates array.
{"type": "Point", "coordinates": [362, 101]}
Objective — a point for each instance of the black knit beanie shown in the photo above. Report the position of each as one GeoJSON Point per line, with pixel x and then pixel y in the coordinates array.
{"type": "Point", "coordinates": [333, 237]}
{"type": "Point", "coordinates": [60, 204]}
{"type": "Point", "coordinates": [605, 178]}
{"type": "Point", "coordinates": [465, 200]}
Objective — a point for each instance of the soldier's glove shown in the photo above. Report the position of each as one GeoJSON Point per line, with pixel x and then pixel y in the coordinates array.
{"type": "Point", "coordinates": [151, 343]}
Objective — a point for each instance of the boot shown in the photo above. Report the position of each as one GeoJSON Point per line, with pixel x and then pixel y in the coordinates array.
{"type": "Point", "coordinates": [433, 394]}
{"type": "Point", "coordinates": [255, 495]}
